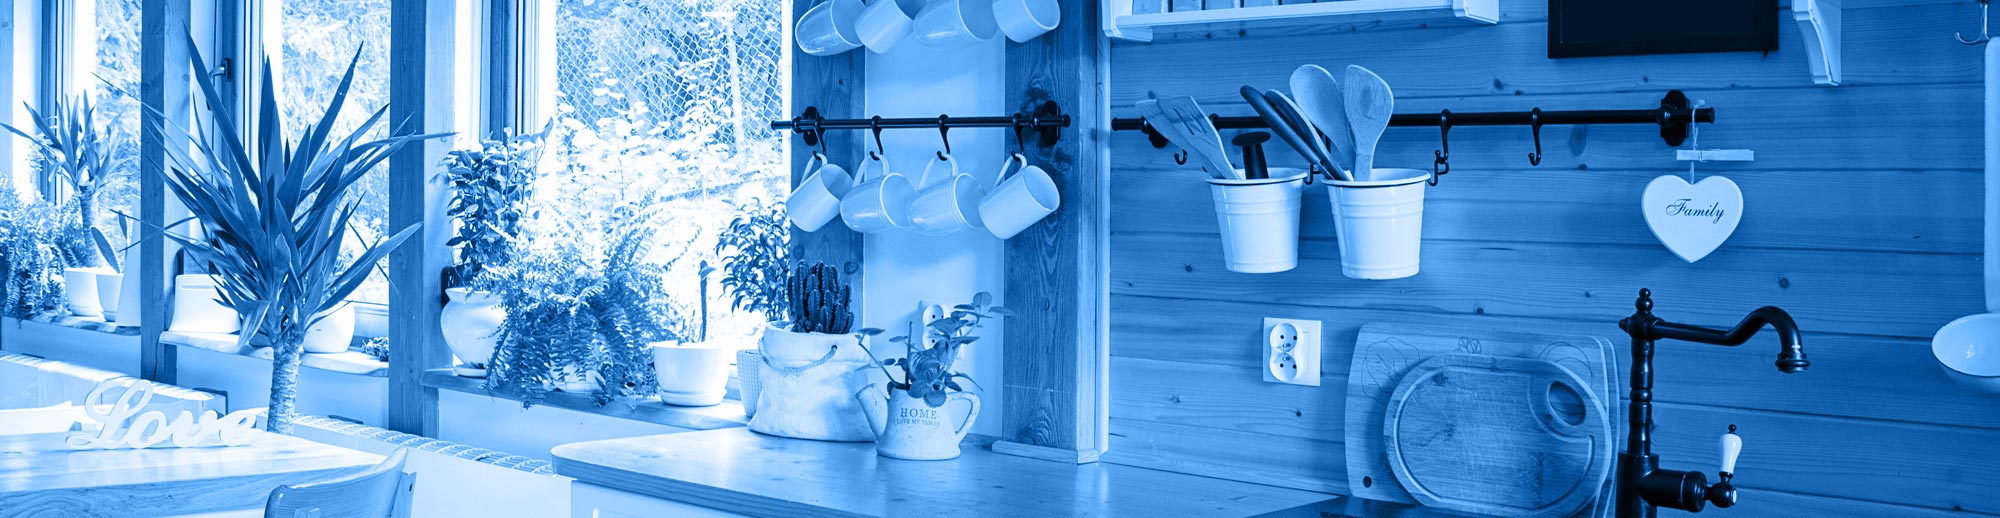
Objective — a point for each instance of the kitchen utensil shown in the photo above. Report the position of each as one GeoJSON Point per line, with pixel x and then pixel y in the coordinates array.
{"type": "Point", "coordinates": [1384, 353]}
{"type": "Point", "coordinates": [1380, 223]}
{"type": "Point", "coordinates": [817, 199]}
{"type": "Point", "coordinates": [1252, 143]}
{"type": "Point", "coordinates": [1019, 200]}
{"type": "Point", "coordinates": [954, 23]}
{"type": "Point", "coordinates": [884, 23]}
{"type": "Point", "coordinates": [1370, 104]}
{"type": "Point", "coordinates": [1259, 220]}
{"type": "Point", "coordinates": [1280, 125]}
{"type": "Point", "coordinates": [829, 28]}
{"type": "Point", "coordinates": [1320, 100]}
{"type": "Point", "coordinates": [1196, 134]}
{"type": "Point", "coordinates": [1307, 132]}
{"type": "Point", "coordinates": [880, 204]}
{"type": "Point", "coordinates": [1498, 436]}
{"type": "Point", "coordinates": [1024, 20]}
{"type": "Point", "coordinates": [1968, 349]}
{"type": "Point", "coordinates": [949, 204]}
{"type": "Point", "coordinates": [1164, 124]}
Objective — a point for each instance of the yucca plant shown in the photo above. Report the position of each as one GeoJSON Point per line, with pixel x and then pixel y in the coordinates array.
{"type": "Point", "coordinates": [72, 167]}
{"type": "Point", "coordinates": [274, 216]}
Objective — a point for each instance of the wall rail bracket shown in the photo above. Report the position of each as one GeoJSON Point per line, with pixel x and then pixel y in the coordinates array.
{"type": "Point", "coordinates": [1047, 120]}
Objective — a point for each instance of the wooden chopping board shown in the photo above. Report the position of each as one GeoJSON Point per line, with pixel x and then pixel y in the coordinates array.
{"type": "Point", "coordinates": [1384, 353]}
{"type": "Point", "coordinates": [1497, 435]}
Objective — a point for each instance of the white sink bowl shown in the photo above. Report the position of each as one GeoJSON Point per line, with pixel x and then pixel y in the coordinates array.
{"type": "Point", "coordinates": [1969, 351]}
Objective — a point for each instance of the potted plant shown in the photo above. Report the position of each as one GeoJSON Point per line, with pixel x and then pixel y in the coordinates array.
{"type": "Point", "coordinates": [490, 187]}
{"type": "Point", "coordinates": [274, 227]}
{"type": "Point", "coordinates": [33, 282]}
{"type": "Point", "coordinates": [810, 366]}
{"type": "Point", "coordinates": [579, 321]}
{"type": "Point", "coordinates": [908, 419]}
{"type": "Point", "coordinates": [756, 261]}
{"type": "Point", "coordinates": [72, 167]}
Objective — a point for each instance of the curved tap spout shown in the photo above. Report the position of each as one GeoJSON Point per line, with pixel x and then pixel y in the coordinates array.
{"type": "Point", "coordinates": [1791, 359]}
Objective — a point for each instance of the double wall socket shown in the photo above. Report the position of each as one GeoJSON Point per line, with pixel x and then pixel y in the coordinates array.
{"type": "Point", "coordinates": [1291, 351]}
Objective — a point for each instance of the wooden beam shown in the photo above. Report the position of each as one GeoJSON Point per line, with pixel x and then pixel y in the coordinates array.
{"type": "Point", "coordinates": [421, 88]}
{"type": "Point", "coordinates": [163, 78]}
{"type": "Point", "coordinates": [1055, 354]}
{"type": "Point", "coordinates": [834, 84]}
{"type": "Point", "coordinates": [498, 52]}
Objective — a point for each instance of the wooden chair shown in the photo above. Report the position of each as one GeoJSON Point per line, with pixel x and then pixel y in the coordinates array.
{"type": "Point", "coordinates": [384, 491]}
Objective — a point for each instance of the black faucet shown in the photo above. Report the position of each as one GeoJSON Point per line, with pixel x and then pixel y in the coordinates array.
{"type": "Point", "coordinates": [1642, 486]}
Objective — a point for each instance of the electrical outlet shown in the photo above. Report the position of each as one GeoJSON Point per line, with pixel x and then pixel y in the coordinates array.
{"type": "Point", "coordinates": [1291, 351]}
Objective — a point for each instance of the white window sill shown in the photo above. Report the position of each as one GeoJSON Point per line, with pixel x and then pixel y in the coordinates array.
{"type": "Point", "coordinates": [729, 414]}
{"type": "Point", "coordinates": [350, 362]}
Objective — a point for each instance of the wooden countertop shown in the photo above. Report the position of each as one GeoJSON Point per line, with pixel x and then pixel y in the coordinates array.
{"type": "Point", "coordinates": [41, 476]}
{"type": "Point", "coordinates": [741, 471]}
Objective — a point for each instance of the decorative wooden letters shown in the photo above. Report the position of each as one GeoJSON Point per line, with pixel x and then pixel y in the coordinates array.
{"type": "Point", "coordinates": [123, 426]}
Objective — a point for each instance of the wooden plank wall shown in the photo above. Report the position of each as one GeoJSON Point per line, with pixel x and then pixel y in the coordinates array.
{"type": "Point", "coordinates": [1862, 219]}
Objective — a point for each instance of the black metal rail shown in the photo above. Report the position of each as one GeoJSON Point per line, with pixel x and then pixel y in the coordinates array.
{"type": "Point", "coordinates": [1673, 115]}
{"type": "Point", "coordinates": [1048, 121]}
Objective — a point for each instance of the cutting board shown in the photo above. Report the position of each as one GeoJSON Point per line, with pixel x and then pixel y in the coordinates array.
{"type": "Point", "coordinates": [1384, 353]}
{"type": "Point", "coordinates": [1498, 436]}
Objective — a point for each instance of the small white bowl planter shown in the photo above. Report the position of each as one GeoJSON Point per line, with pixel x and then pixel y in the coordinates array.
{"type": "Point", "coordinates": [333, 333]}
{"type": "Point", "coordinates": [80, 291]}
{"type": "Point", "coordinates": [471, 324]}
{"type": "Point", "coordinates": [692, 374]}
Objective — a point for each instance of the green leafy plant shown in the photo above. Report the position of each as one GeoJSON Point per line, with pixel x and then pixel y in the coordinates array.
{"type": "Point", "coordinates": [928, 357]}
{"type": "Point", "coordinates": [490, 189]}
{"type": "Point", "coordinates": [756, 258]}
{"type": "Point", "coordinates": [819, 301]}
{"type": "Point", "coordinates": [274, 225]}
{"type": "Point", "coordinates": [71, 156]}
{"type": "Point", "coordinates": [571, 313]}
{"type": "Point", "coordinates": [33, 261]}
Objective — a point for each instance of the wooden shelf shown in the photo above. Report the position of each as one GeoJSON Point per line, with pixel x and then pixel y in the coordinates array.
{"type": "Point", "coordinates": [729, 414]}
{"type": "Point", "coordinates": [1123, 23]}
{"type": "Point", "coordinates": [350, 362]}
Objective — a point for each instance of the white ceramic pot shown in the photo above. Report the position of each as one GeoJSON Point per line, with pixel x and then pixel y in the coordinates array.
{"type": "Point", "coordinates": [128, 310]}
{"type": "Point", "coordinates": [749, 385]}
{"type": "Point", "coordinates": [692, 374]}
{"type": "Point", "coordinates": [333, 333]}
{"type": "Point", "coordinates": [109, 285]}
{"type": "Point", "coordinates": [908, 428]}
{"type": "Point", "coordinates": [471, 323]}
{"type": "Point", "coordinates": [80, 289]}
{"type": "Point", "coordinates": [197, 308]}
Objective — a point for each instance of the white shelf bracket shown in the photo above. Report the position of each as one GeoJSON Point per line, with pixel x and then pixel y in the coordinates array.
{"type": "Point", "coordinates": [1110, 11]}
{"type": "Point", "coordinates": [1819, 24]}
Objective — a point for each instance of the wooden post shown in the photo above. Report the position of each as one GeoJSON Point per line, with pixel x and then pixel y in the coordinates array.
{"type": "Point", "coordinates": [164, 78]}
{"type": "Point", "coordinates": [835, 85]}
{"type": "Point", "coordinates": [420, 93]}
{"type": "Point", "coordinates": [1056, 270]}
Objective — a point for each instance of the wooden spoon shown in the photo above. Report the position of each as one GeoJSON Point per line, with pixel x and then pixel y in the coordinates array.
{"type": "Point", "coordinates": [1370, 104]}
{"type": "Point", "coordinates": [1320, 100]}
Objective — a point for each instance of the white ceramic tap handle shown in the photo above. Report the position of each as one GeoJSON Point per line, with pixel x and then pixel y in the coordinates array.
{"type": "Point", "coordinates": [1732, 445]}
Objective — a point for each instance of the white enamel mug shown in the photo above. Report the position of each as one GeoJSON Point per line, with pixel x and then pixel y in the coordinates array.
{"type": "Point", "coordinates": [817, 199]}
{"type": "Point", "coordinates": [1018, 201]}
{"type": "Point", "coordinates": [880, 204]}
{"type": "Point", "coordinates": [955, 23]}
{"type": "Point", "coordinates": [1025, 20]}
{"type": "Point", "coordinates": [949, 204]}
{"type": "Point", "coordinates": [884, 23]}
{"type": "Point", "coordinates": [829, 28]}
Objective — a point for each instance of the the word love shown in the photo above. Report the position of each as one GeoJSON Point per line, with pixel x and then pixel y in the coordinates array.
{"type": "Point", "coordinates": [125, 426]}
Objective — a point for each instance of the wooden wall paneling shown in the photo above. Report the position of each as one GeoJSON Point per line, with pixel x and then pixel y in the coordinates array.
{"type": "Point", "coordinates": [1871, 211]}
{"type": "Point", "coordinates": [164, 85]}
{"type": "Point", "coordinates": [1055, 270]}
{"type": "Point", "coordinates": [836, 85]}
{"type": "Point", "coordinates": [421, 89]}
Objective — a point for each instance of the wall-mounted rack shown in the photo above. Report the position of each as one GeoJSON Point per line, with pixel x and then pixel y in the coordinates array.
{"type": "Point", "coordinates": [1673, 115]}
{"type": "Point", "coordinates": [1048, 121]}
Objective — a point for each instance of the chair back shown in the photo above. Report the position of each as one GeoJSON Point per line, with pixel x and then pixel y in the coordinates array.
{"type": "Point", "coordinates": [384, 491]}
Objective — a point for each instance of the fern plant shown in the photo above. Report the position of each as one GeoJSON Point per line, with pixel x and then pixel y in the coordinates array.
{"type": "Point", "coordinates": [756, 259]}
{"type": "Point", "coordinates": [33, 261]}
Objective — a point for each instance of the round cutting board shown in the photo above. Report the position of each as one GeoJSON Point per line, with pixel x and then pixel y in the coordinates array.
{"type": "Point", "coordinates": [1498, 436]}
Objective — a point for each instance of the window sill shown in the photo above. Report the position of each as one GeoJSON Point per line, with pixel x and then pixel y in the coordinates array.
{"type": "Point", "coordinates": [729, 414]}
{"type": "Point", "coordinates": [350, 362]}
{"type": "Point", "coordinates": [94, 324]}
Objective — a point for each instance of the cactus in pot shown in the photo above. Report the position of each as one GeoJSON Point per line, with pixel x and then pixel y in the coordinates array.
{"type": "Point", "coordinates": [819, 301]}
{"type": "Point", "coordinates": [811, 365]}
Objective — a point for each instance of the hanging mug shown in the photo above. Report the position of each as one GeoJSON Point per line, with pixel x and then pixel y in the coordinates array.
{"type": "Point", "coordinates": [829, 28]}
{"type": "Point", "coordinates": [817, 199]}
{"type": "Point", "coordinates": [880, 204]}
{"type": "Point", "coordinates": [1018, 201]}
{"type": "Point", "coordinates": [949, 205]}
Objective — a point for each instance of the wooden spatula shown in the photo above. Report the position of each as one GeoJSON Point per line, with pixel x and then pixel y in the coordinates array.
{"type": "Point", "coordinates": [1202, 140]}
{"type": "Point", "coordinates": [1370, 104]}
{"type": "Point", "coordinates": [1320, 100]}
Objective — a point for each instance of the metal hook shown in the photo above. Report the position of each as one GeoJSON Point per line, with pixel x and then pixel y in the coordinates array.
{"type": "Point", "coordinates": [1442, 164]}
{"type": "Point", "coordinates": [944, 134]}
{"type": "Point", "coordinates": [821, 136]}
{"type": "Point", "coordinates": [875, 125]}
{"type": "Point", "coordinates": [1535, 121]}
{"type": "Point", "coordinates": [1020, 144]}
{"type": "Point", "coordinates": [1984, 35]}
{"type": "Point", "coordinates": [1181, 158]}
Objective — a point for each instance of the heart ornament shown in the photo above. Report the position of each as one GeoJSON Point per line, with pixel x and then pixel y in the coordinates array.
{"type": "Point", "coordinates": [1692, 219]}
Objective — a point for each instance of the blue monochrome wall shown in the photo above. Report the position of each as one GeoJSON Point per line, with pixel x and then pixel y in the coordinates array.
{"type": "Point", "coordinates": [1863, 219]}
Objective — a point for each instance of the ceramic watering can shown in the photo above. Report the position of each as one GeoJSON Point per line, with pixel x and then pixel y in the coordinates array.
{"type": "Point", "coordinates": [907, 428]}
